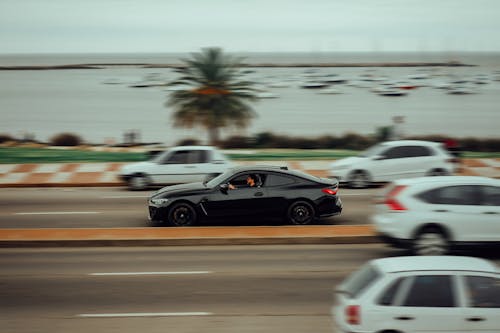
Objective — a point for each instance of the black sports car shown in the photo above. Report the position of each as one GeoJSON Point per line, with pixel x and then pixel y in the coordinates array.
{"type": "Point", "coordinates": [248, 191]}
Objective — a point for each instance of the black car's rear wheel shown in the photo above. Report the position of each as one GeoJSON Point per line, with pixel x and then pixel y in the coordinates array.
{"type": "Point", "coordinates": [182, 215]}
{"type": "Point", "coordinates": [300, 212]}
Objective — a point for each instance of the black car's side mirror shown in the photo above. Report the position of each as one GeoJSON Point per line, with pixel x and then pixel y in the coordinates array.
{"type": "Point", "coordinates": [224, 188]}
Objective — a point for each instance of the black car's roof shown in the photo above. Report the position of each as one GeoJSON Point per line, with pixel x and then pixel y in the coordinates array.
{"type": "Point", "coordinates": [272, 168]}
{"type": "Point", "coordinates": [257, 168]}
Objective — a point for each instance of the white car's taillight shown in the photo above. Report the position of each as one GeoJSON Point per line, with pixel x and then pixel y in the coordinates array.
{"type": "Point", "coordinates": [353, 314]}
{"type": "Point", "coordinates": [391, 199]}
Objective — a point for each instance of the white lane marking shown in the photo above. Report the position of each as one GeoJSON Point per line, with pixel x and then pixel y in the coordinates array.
{"type": "Point", "coordinates": [54, 213]}
{"type": "Point", "coordinates": [144, 314]}
{"type": "Point", "coordinates": [124, 196]}
{"type": "Point", "coordinates": [148, 273]}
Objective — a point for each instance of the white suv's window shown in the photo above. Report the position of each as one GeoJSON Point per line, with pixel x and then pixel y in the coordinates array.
{"type": "Point", "coordinates": [177, 157]}
{"type": "Point", "coordinates": [483, 291]}
{"type": "Point", "coordinates": [360, 280]}
{"type": "Point", "coordinates": [491, 196]}
{"type": "Point", "coordinates": [453, 195]}
{"type": "Point", "coordinates": [389, 295]}
{"type": "Point", "coordinates": [407, 151]}
{"type": "Point", "coordinates": [431, 291]}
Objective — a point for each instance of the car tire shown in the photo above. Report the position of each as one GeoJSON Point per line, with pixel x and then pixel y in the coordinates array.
{"type": "Point", "coordinates": [431, 241]}
{"type": "Point", "coordinates": [182, 214]}
{"type": "Point", "coordinates": [300, 213]}
{"type": "Point", "coordinates": [138, 182]}
{"type": "Point", "coordinates": [359, 179]}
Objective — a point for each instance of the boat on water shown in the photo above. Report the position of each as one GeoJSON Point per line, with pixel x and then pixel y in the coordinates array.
{"type": "Point", "coordinates": [263, 95]}
{"type": "Point", "coordinates": [330, 91]}
{"type": "Point", "coordinates": [461, 90]}
{"type": "Point", "coordinates": [390, 91]}
{"type": "Point", "coordinates": [314, 85]}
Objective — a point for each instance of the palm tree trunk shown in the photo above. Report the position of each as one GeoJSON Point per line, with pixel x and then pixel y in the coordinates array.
{"type": "Point", "coordinates": [213, 136]}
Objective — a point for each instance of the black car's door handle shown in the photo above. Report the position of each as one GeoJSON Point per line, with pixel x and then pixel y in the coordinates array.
{"type": "Point", "coordinates": [404, 318]}
{"type": "Point", "coordinates": [476, 319]}
{"type": "Point", "coordinates": [258, 194]}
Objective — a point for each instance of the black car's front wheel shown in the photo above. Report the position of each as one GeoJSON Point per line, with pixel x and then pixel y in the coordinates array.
{"type": "Point", "coordinates": [300, 212]}
{"type": "Point", "coordinates": [182, 215]}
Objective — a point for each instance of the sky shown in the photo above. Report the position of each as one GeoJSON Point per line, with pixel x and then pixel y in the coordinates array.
{"type": "Point", "coordinates": [119, 26]}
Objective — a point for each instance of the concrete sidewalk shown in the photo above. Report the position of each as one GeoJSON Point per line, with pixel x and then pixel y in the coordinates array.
{"type": "Point", "coordinates": [105, 174]}
{"type": "Point", "coordinates": [48, 237]}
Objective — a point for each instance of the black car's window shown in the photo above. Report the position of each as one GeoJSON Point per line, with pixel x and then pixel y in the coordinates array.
{"type": "Point", "coordinates": [491, 195]}
{"type": "Point", "coordinates": [240, 181]}
{"type": "Point", "coordinates": [483, 291]}
{"type": "Point", "coordinates": [278, 180]}
{"type": "Point", "coordinates": [431, 291]}
{"type": "Point", "coordinates": [453, 195]}
{"type": "Point", "coordinates": [388, 295]}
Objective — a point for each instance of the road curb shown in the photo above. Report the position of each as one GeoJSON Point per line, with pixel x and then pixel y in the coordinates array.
{"type": "Point", "coordinates": [83, 237]}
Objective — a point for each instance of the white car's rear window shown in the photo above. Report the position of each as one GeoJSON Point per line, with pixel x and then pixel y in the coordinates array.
{"type": "Point", "coordinates": [358, 281]}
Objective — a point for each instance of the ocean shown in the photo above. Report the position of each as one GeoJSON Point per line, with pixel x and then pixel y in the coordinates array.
{"type": "Point", "coordinates": [101, 106]}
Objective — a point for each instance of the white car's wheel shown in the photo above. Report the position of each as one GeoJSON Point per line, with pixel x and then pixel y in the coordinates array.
{"type": "Point", "coordinates": [431, 242]}
{"type": "Point", "coordinates": [138, 182]}
{"type": "Point", "coordinates": [359, 179]}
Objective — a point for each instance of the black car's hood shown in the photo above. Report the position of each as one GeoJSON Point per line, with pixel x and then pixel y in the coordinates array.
{"type": "Point", "coordinates": [181, 189]}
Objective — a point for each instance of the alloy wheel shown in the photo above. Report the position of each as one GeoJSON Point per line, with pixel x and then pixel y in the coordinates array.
{"type": "Point", "coordinates": [431, 243]}
{"type": "Point", "coordinates": [182, 215]}
{"type": "Point", "coordinates": [359, 179]}
{"type": "Point", "coordinates": [301, 213]}
{"type": "Point", "coordinates": [138, 182]}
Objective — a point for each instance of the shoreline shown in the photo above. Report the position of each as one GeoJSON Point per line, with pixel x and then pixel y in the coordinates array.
{"type": "Point", "coordinates": [244, 65]}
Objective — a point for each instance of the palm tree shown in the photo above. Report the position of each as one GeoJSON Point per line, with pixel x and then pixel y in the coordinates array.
{"type": "Point", "coordinates": [214, 96]}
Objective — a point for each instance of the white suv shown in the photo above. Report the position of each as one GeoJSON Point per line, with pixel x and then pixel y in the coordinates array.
{"type": "Point", "coordinates": [183, 164]}
{"type": "Point", "coordinates": [430, 215]}
{"type": "Point", "coordinates": [420, 294]}
{"type": "Point", "coordinates": [391, 160]}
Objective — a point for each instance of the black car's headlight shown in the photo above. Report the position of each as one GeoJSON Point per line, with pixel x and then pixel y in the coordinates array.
{"type": "Point", "coordinates": [159, 201]}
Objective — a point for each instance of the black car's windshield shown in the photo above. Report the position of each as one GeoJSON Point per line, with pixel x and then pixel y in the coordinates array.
{"type": "Point", "coordinates": [217, 180]}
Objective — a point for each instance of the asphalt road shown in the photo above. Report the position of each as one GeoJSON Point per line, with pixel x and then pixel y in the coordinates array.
{"type": "Point", "coordinates": [285, 288]}
{"type": "Point", "coordinates": [116, 207]}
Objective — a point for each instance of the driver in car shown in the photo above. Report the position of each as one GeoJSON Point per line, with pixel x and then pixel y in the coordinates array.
{"type": "Point", "coordinates": [250, 183]}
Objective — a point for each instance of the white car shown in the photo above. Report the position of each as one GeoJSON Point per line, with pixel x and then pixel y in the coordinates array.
{"type": "Point", "coordinates": [183, 164]}
{"type": "Point", "coordinates": [420, 294]}
{"type": "Point", "coordinates": [431, 215]}
{"type": "Point", "coordinates": [392, 160]}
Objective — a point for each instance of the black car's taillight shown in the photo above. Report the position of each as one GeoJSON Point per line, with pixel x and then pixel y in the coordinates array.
{"type": "Point", "coordinates": [330, 191]}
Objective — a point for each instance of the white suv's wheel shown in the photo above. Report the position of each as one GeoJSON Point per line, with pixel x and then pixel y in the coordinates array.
{"type": "Point", "coordinates": [431, 242]}
{"type": "Point", "coordinates": [359, 179]}
{"type": "Point", "coordinates": [138, 182]}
